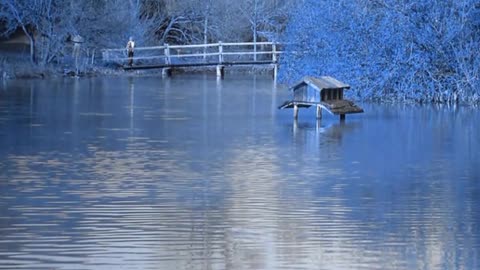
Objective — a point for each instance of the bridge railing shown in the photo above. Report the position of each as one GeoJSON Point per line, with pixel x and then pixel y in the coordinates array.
{"type": "Point", "coordinates": [215, 53]}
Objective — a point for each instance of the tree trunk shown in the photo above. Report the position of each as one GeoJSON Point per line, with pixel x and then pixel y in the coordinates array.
{"type": "Point", "coordinates": [254, 43]}
{"type": "Point", "coordinates": [205, 28]}
{"type": "Point", "coordinates": [33, 59]}
{"type": "Point", "coordinates": [255, 30]}
{"type": "Point", "coordinates": [205, 37]}
{"type": "Point", "coordinates": [32, 44]}
{"type": "Point", "coordinates": [167, 29]}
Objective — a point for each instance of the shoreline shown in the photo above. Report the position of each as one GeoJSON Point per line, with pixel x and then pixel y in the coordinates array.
{"type": "Point", "coordinates": [19, 71]}
{"type": "Point", "coordinates": [25, 71]}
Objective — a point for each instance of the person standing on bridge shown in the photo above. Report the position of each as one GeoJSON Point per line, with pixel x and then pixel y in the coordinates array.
{"type": "Point", "coordinates": [130, 47]}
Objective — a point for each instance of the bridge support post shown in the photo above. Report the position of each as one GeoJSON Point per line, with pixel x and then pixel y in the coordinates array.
{"type": "Point", "coordinates": [220, 71]}
{"type": "Point", "coordinates": [319, 112]}
{"type": "Point", "coordinates": [274, 60]}
{"type": "Point", "coordinates": [220, 52]}
{"type": "Point", "coordinates": [166, 52]}
{"type": "Point", "coordinates": [166, 72]}
{"type": "Point", "coordinates": [342, 117]}
{"type": "Point", "coordinates": [295, 111]}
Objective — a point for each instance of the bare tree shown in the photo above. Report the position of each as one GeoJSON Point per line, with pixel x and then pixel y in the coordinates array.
{"type": "Point", "coordinates": [44, 23]}
{"type": "Point", "coordinates": [50, 24]}
{"type": "Point", "coordinates": [265, 17]}
{"type": "Point", "coordinates": [21, 14]}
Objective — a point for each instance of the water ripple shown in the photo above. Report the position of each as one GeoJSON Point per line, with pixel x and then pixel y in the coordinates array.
{"type": "Point", "coordinates": [145, 175]}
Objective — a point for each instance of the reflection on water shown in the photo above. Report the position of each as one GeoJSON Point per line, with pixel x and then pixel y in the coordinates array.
{"type": "Point", "coordinates": [195, 173]}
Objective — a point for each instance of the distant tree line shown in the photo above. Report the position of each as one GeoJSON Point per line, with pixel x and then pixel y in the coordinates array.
{"type": "Point", "coordinates": [50, 24]}
{"type": "Point", "coordinates": [399, 49]}
{"type": "Point", "coordinates": [426, 51]}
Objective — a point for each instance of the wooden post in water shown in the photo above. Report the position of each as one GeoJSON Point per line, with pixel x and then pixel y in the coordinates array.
{"type": "Point", "coordinates": [342, 117]}
{"type": "Point", "coordinates": [319, 112]}
{"type": "Point", "coordinates": [166, 72]}
{"type": "Point", "coordinates": [220, 67]}
{"type": "Point", "coordinates": [274, 60]}
{"type": "Point", "coordinates": [295, 111]}
{"type": "Point", "coordinates": [220, 71]}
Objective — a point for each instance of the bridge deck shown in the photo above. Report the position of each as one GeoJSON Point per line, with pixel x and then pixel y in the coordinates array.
{"type": "Point", "coordinates": [180, 65]}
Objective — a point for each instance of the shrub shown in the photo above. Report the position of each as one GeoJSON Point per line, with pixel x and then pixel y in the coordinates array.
{"type": "Point", "coordinates": [420, 50]}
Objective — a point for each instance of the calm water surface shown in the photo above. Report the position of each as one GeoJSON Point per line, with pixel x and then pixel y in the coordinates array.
{"type": "Point", "coordinates": [195, 173]}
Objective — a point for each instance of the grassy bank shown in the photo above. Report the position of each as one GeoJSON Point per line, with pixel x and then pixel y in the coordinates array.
{"type": "Point", "coordinates": [23, 69]}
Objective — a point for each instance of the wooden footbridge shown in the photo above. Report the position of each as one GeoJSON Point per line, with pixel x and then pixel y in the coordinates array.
{"type": "Point", "coordinates": [219, 55]}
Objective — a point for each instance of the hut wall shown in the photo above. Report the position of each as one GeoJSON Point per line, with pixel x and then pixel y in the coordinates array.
{"type": "Point", "coordinates": [307, 94]}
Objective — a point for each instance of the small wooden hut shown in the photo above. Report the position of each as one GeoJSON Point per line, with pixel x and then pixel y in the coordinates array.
{"type": "Point", "coordinates": [324, 93]}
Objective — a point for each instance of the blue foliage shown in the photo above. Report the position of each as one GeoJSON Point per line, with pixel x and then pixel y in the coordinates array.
{"type": "Point", "coordinates": [399, 49]}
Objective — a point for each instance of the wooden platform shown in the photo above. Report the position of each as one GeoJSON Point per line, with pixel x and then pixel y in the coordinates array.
{"type": "Point", "coordinates": [335, 107]}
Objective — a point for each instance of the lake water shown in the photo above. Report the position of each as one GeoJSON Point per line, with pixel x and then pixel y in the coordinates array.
{"type": "Point", "coordinates": [195, 173]}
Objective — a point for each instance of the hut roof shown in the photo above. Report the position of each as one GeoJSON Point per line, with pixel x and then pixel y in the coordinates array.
{"type": "Point", "coordinates": [323, 82]}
